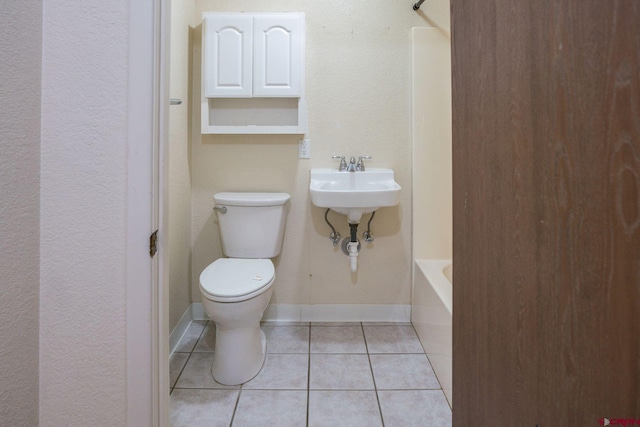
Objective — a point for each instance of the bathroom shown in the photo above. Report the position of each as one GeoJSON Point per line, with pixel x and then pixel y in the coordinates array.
{"type": "Point", "coordinates": [545, 194]}
{"type": "Point", "coordinates": [365, 95]}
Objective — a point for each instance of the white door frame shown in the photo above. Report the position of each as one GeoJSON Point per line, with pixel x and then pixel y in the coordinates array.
{"type": "Point", "coordinates": [147, 297]}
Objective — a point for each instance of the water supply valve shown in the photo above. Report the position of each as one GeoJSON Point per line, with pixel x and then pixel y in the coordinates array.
{"type": "Point", "coordinates": [335, 238]}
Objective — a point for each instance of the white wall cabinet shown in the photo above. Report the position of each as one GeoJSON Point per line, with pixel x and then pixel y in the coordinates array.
{"type": "Point", "coordinates": [228, 41]}
{"type": "Point", "coordinates": [277, 55]}
{"type": "Point", "coordinates": [253, 73]}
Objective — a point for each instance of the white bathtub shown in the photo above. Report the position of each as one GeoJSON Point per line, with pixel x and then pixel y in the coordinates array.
{"type": "Point", "coordinates": [431, 314]}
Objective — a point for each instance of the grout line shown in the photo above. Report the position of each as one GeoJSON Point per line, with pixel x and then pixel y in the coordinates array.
{"type": "Point", "coordinates": [375, 387]}
{"type": "Point", "coordinates": [173, 386]}
{"type": "Point", "coordinates": [308, 372]}
{"type": "Point", "coordinates": [268, 389]}
{"type": "Point", "coordinates": [344, 389]}
{"type": "Point", "coordinates": [235, 408]}
{"type": "Point", "coordinates": [214, 388]}
{"type": "Point", "coordinates": [410, 389]}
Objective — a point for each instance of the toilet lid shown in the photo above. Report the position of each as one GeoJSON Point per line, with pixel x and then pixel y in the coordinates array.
{"type": "Point", "coordinates": [236, 277]}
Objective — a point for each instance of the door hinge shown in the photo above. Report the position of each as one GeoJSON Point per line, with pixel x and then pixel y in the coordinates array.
{"type": "Point", "coordinates": [153, 243]}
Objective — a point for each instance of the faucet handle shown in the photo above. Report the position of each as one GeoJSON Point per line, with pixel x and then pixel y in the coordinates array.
{"type": "Point", "coordinates": [343, 162]}
{"type": "Point", "coordinates": [360, 165]}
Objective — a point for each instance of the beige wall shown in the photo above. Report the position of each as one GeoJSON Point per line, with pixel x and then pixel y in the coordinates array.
{"type": "Point", "coordinates": [432, 172]}
{"type": "Point", "coordinates": [358, 91]}
{"type": "Point", "coordinates": [20, 70]}
{"type": "Point", "coordinates": [179, 150]}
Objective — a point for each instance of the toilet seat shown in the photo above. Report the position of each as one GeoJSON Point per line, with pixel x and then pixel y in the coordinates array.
{"type": "Point", "coordinates": [236, 279]}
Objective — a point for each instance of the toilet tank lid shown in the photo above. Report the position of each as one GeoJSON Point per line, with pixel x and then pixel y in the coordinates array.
{"type": "Point", "coordinates": [251, 199]}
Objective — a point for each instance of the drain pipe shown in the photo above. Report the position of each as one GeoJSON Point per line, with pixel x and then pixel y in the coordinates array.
{"type": "Point", "coordinates": [352, 248]}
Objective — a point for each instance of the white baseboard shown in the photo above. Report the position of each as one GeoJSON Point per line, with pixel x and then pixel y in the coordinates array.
{"type": "Point", "coordinates": [282, 313]}
{"type": "Point", "coordinates": [194, 312]}
{"type": "Point", "coordinates": [356, 312]}
{"type": "Point", "coordinates": [178, 332]}
{"type": "Point", "coordinates": [197, 310]}
{"type": "Point", "coordinates": [305, 313]}
{"type": "Point", "coordinates": [338, 312]}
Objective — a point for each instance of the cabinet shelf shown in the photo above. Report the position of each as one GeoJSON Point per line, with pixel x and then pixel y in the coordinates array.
{"type": "Point", "coordinates": [253, 116]}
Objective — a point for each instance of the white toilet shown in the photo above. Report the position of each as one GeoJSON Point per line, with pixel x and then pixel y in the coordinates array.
{"type": "Point", "coordinates": [236, 290]}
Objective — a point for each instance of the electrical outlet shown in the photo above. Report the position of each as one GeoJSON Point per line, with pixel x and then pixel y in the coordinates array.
{"type": "Point", "coordinates": [304, 149]}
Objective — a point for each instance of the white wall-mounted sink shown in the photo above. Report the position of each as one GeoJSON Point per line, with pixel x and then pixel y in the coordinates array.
{"type": "Point", "coordinates": [354, 193]}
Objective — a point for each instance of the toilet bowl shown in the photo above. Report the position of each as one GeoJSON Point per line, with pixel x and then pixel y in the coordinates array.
{"type": "Point", "coordinates": [236, 290]}
{"type": "Point", "coordinates": [236, 293]}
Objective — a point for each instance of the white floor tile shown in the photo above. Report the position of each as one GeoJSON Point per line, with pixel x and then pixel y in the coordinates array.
{"type": "Point", "coordinates": [392, 339]}
{"type": "Point", "coordinates": [207, 341]}
{"type": "Point", "coordinates": [340, 372]}
{"type": "Point", "coordinates": [287, 339]}
{"type": "Point", "coordinates": [281, 372]}
{"type": "Point", "coordinates": [212, 408]}
{"type": "Point", "coordinates": [337, 339]}
{"type": "Point", "coordinates": [191, 336]}
{"type": "Point", "coordinates": [343, 408]}
{"type": "Point", "coordinates": [325, 363]}
{"type": "Point", "coordinates": [414, 408]}
{"type": "Point", "coordinates": [403, 371]}
{"type": "Point", "coordinates": [281, 408]}
{"type": "Point", "coordinates": [197, 373]}
{"type": "Point", "coordinates": [176, 363]}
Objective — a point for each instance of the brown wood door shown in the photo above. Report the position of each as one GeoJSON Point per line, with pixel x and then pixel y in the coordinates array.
{"type": "Point", "coordinates": [546, 161]}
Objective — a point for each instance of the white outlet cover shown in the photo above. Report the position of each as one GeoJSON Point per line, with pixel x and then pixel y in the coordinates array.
{"type": "Point", "coordinates": [304, 149]}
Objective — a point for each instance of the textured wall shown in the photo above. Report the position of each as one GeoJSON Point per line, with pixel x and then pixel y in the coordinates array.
{"type": "Point", "coordinates": [432, 206]}
{"type": "Point", "coordinates": [179, 149]}
{"type": "Point", "coordinates": [20, 67]}
{"type": "Point", "coordinates": [358, 91]}
{"type": "Point", "coordinates": [83, 213]}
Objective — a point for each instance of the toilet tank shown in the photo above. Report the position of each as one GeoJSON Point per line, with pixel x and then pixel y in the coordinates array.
{"type": "Point", "coordinates": [252, 225]}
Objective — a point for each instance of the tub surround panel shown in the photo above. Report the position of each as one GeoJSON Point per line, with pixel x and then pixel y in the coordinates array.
{"type": "Point", "coordinates": [432, 205]}
{"type": "Point", "coordinates": [431, 316]}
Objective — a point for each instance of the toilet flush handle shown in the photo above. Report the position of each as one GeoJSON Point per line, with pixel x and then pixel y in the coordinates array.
{"type": "Point", "coordinates": [221, 209]}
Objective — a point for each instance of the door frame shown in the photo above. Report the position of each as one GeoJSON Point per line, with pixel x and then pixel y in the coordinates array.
{"type": "Point", "coordinates": [147, 297]}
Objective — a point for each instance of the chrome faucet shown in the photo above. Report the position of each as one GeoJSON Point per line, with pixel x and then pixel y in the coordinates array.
{"type": "Point", "coordinates": [343, 163]}
{"type": "Point", "coordinates": [360, 165]}
{"type": "Point", "coordinates": [352, 164]}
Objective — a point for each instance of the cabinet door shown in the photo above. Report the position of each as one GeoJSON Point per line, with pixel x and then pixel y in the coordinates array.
{"type": "Point", "coordinates": [227, 58]}
{"type": "Point", "coordinates": [277, 55]}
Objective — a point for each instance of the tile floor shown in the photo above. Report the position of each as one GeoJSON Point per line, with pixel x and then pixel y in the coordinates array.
{"type": "Point", "coordinates": [316, 375]}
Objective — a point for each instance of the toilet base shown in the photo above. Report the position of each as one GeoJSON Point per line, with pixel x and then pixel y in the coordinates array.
{"type": "Point", "coordinates": [239, 355]}
{"type": "Point", "coordinates": [240, 343]}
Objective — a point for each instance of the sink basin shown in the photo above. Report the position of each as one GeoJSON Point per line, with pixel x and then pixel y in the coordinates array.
{"type": "Point", "coordinates": [354, 193]}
